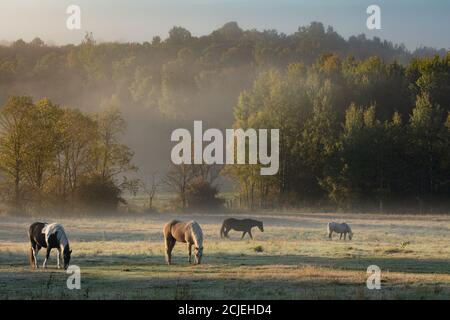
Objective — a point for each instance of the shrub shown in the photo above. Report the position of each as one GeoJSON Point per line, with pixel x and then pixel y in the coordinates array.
{"type": "Point", "coordinates": [258, 249]}
{"type": "Point", "coordinates": [201, 194]}
{"type": "Point", "coordinates": [99, 194]}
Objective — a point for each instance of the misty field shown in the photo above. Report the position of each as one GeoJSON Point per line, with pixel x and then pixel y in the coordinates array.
{"type": "Point", "coordinates": [123, 258]}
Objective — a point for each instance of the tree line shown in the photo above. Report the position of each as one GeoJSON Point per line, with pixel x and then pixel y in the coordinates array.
{"type": "Point", "coordinates": [162, 84]}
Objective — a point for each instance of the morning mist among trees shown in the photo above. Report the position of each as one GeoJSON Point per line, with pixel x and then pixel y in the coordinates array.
{"type": "Point", "coordinates": [53, 157]}
{"type": "Point", "coordinates": [363, 122]}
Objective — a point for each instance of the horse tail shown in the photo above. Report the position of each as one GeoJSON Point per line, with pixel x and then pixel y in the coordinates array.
{"type": "Point", "coordinates": [222, 230]}
{"type": "Point", "coordinates": [329, 229]}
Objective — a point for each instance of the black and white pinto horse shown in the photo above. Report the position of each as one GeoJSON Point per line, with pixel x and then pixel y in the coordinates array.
{"type": "Point", "coordinates": [44, 235]}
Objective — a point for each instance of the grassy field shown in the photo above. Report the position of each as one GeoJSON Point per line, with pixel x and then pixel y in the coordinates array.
{"type": "Point", "coordinates": [123, 258]}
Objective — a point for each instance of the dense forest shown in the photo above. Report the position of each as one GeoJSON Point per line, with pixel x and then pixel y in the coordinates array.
{"type": "Point", "coordinates": [354, 133]}
{"type": "Point", "coordinates": [363, 122]}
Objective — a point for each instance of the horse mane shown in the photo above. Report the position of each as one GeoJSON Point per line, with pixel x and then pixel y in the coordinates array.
{"type": "Point", "coordinates": [197, 234]}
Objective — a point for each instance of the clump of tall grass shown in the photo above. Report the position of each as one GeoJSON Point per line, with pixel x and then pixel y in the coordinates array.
{"type": "Point", "coordinates": [258, 248]}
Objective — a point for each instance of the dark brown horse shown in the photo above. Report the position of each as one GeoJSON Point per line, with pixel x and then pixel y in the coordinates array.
{"type": "Point", "coordinates": [244, 225]}
{"type": "Point", "coordinates": [187, 232]}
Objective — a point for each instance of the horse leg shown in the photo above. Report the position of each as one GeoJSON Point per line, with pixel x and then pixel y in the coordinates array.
{"type": "Point", "coordinates": [190, 251]}
{"type": "Point", "coordinates": [243, 234]}
{"type": "Point", "coordinates": [340, 237]}
{"type": "Point", "coordinates": [250, 234]}
{"type": "Point", "coordinates": [47, 255]}
{"type": "Point", "coordinates": [223, 231]}
{"type": "Point", "coordinates": [330, 235]}
{"type": "Point", "coordinates": [345, 236]}
{"type": "Point", "coordinates": [170, 243]}
{"type": "Point", "coordinates": [58, 255]}
{"type": "Point", "coordinates": [36, 249]}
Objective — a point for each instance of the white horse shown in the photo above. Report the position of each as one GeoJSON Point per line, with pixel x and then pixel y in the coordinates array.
{"type": "Point", "coordinates": [341, 228]}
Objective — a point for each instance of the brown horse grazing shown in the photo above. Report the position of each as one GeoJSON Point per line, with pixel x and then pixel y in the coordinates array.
{"type": "Point", "coordinates": [187, 232]}
{"type": "Point", "coordinates": [244, 225]}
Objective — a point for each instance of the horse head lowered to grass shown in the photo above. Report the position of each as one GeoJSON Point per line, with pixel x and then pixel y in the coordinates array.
{"type": "Point", "coordinates": [341, 228]}
{"type": "Point", "coordinates": [187, 232]}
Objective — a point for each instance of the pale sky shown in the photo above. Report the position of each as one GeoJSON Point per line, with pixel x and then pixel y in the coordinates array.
{"type": "Point", "coordinates": [412, 22]}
